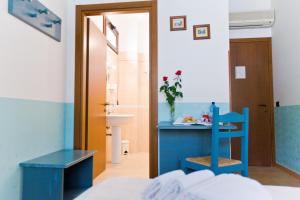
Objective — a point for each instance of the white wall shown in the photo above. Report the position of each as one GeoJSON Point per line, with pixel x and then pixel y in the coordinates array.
{"type": "Point", "coordinates": [251, 33]}
{"type": "Point", "coordinates": [286, 50]}
{"type": "Point", "coordinates": [203, 62]}
{"type": "Point", "coordinates": [250, 5]}
{"type": "Point", "coordinates": [143, 43]}
{"type": "Point", "coordinates": [128, 26]}
{"type": "Point", "coordinates": [26, 53]}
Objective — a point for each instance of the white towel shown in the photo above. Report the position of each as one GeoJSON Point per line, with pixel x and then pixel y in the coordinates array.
{"type": "Point", "coordinates": [157, 184]}
{"type": "Point", "coordinates": [227, 187]}
{"type": "Point", "coordinates": [176, 186]}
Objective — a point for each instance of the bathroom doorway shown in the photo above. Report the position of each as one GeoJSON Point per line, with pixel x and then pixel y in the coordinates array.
{"type": "Point", "coordinates": [130, 109]}
{"type": "Point", "coordinates": [127, 93]}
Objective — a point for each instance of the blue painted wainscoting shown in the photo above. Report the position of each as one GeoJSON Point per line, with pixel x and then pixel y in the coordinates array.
{"type": "Point", "coordinates": [28, 129]}
{"type": "Point", "coordinates": [287, 133]}
{"type": "Point", "coordinates": [193, 109]}
{"type": "Point", "coordinates": [69, 125]}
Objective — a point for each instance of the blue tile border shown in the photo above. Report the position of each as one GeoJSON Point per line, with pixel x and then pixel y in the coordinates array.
{"type": "Point", "coordinates": [287, 137]}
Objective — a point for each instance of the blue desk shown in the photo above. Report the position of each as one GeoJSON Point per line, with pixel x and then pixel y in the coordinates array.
{"type": "Point", "coordinates": [178, 142]}
{"type": "Point", "coordinates": [61, 175]}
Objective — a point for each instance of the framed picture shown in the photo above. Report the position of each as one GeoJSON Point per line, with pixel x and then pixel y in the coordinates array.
{"type": "Point", "coordinates": [202, 32]}
{"type": "Point", "coordinates": [178, 23]}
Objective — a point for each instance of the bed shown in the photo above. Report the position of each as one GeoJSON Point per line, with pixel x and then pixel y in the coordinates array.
{"type": "Point", "coordinates": [131, 189]}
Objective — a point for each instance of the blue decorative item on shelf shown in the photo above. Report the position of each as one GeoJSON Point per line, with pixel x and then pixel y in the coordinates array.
{"type": "Point", "coordinates": [36, 15]}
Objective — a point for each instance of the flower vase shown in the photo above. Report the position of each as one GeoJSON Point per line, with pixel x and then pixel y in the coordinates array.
{"type": "Point", "coordinates": [172, 113]}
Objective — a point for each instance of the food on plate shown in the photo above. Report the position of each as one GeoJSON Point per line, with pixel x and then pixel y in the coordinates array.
{"type": "Point", "coordinates": [189, 119]}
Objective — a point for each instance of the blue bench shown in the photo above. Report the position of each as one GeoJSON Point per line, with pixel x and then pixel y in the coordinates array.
{"type": "Point", "coordinates": [61, 175]}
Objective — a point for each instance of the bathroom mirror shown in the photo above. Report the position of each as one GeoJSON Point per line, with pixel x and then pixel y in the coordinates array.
{"type": "Point", "coordinates": [112, 35]}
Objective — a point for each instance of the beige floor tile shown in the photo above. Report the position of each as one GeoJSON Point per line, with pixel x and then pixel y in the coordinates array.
{"type": "Point", "coordinates": [133, 165]}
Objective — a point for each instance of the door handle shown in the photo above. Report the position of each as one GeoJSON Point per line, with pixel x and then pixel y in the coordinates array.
{"type": "Point", "coordinates": [262, 105]}
{"type": "Point", "coordinates": [104, 104]}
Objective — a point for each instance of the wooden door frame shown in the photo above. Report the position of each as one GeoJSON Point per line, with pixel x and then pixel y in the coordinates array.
{"type": "Point", "coordinates": [270, 83]}
{"type": "Point", "coordinates": [81, 76]}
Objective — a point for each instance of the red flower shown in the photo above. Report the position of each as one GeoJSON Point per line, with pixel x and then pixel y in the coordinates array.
{"type": "Point", "coordinates": [178, 73]}
{"type": "Point", "coordinates": [165, 78]}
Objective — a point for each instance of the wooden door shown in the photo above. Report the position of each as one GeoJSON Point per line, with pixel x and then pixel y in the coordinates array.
{"type": "Point", "coordinates": [251, 86]}
{"type": "Point", "coordinates": [96, 98]}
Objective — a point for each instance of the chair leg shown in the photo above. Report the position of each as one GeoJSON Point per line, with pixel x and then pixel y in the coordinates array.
{"type": "Point", "coordinates": [245, 173]}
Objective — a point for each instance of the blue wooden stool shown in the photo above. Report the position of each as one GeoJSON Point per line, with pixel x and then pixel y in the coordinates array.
{"type": "Point", "coordinates": [218, 164]}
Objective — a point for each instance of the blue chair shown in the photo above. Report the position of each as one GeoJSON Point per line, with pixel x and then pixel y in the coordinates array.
{"type": "Point", "coordinates": [216, 163]}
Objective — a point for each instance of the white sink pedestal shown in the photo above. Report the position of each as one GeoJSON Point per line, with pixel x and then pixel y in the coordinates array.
{"type": "Point", "coordinates": [116, 145]}
{"type": "Point", "coordinates": [115, 121]}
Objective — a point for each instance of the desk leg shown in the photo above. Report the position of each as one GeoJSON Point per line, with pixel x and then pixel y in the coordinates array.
{"type": "Point", "coordinates": [42, 183]}
{"type": "Point", "coordinates": [158, 152]}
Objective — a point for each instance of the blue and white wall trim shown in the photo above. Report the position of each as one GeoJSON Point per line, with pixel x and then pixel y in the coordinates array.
{"type": "Point", "coordinates": [286, 84]}
{"type": "Point", "coordinates": [287, 132]}
{"type": "Point", "coordinates": [32, 95]}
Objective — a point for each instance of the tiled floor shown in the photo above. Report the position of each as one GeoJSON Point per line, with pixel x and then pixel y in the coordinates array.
{"type": "Point", "coordinates": [137, 166]}
{"type": "Point", "coordinates": [133, 165]}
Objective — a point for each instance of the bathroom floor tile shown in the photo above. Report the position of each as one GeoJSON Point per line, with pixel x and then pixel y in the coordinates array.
{"type": "Point", "coordinates": [134, 165]}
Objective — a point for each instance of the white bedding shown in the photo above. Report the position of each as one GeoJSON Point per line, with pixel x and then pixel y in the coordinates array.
{"type": "Point", "coordinates": [131, 189]}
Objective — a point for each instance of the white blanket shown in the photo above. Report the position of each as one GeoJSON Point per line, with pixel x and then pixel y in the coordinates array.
{"type": "Point", "coordinates": [116, 189]}
{"type": "Point", "coordinates": [155, 187]}
{"type": "Point", "coordinates": [227, 187]}
{"type": "Point", "coordinates": [132, 189]}
{"type": "Point", "coordinates": [284, 193]}
{"type": "Point", "coordinates": [174, 187]}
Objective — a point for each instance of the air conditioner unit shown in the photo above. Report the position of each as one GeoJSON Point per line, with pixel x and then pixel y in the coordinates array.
{"type": "Point", "coordinates": [249, 20]}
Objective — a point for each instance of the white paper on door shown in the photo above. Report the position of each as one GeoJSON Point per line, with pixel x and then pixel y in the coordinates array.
{"type": "Point", "coordinates": [240, 72]}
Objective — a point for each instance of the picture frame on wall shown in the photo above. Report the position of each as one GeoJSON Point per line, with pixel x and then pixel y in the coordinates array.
{"type": "Point", "coordinates": [202, 32]}
{"type": "Point", "coordinates": [178, 23]}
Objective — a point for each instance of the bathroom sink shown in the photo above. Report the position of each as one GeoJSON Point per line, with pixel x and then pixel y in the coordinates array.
{"type": "Point", "coordinates": [118, 119]}
{"type": "Point", "coordinates": [115, 121]}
